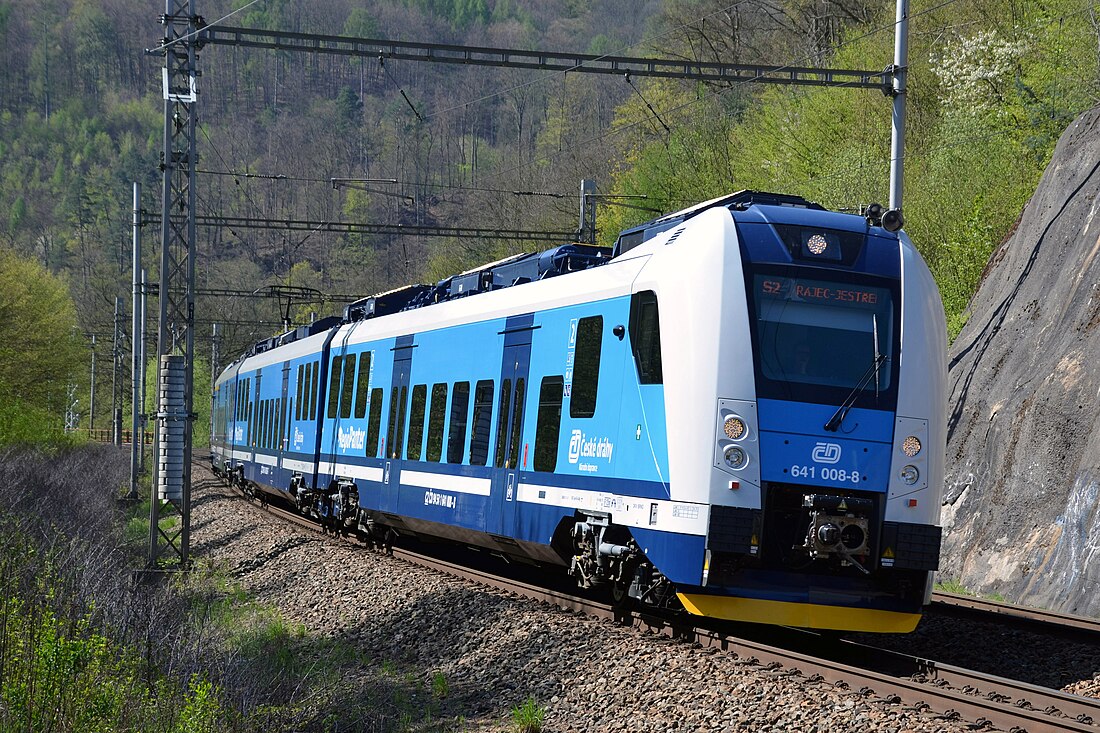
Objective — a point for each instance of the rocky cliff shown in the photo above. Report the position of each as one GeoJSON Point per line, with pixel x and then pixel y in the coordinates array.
{"type": "Point", "coordinates": [1022, 498]}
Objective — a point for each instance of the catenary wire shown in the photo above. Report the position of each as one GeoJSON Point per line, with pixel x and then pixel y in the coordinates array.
{"type": "Point", "coordinates": [554, 74]}
{"type": "Point", "coordinates": [734, 85]}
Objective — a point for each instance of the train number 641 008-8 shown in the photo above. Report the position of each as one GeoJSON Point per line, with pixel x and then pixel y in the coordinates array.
{"type": "Point", "coordinates": [826, 474]}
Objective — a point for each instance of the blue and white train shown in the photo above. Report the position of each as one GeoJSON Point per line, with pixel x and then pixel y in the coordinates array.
{"type": "Point", "coordinates": [739, 409]}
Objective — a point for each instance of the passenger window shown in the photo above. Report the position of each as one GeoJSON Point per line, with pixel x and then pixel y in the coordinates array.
{"type": "Point", "coordinates": [298, 401]}
{"type": "Point", "coordinates": [437, 419]}
{"type": "Point", "coordinates": [482, 423]}
{"type": "Point", "coordinates": [392, 429]}
{"type": "Point", "coordinates": [349, 385]}
{"type": "Point", "coordinates": [334, 369]}
{"type": "Point", "coordinates": [416, 422]}
{"type": "Point", "coordinates": [305, 391]}
{"type": "Point", "coordinates": [502, 420]}
{"type": "Point", "coordinates": [456, 436]}
{"type": "Point", "coordinates": [314, 388]}
{"type": "Point", "coordinates": [278, 445]}
{"type": "Point", "coordinates": [586, 368]}
{"type": "Point", "coordinates": [312, 391]}
{"type": "Point", "coordinates": [645, 337]}
{"type": "Point", "coordinates": [361, 385]}
{"type": "Point", "coordinates": [548, 427]}
{"type": "Point", "coordinates": [399, 439]}
{"type": "Point", "coordinates": [374, 424]}
{"type": "Point", "coordinates": [517, 425]}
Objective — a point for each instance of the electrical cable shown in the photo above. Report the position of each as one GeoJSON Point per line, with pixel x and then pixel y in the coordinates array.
{"type": "Point", "coordinates": [733, 85]}
{"type": "Point", "coordinates": [382, 64]}
{"type": "Point", "coordinates": [290, 247]}
{"type": "Point", "coordinates": [328, 181]}
{"type": "Point", "coordinates": [668, 130]}
{"type": "Point", "coordinates": [200, 30]}
{"type": "Point", "coordinates": [553, 74]}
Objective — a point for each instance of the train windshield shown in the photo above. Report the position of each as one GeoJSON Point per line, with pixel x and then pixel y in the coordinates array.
{"type": "Point", "coordinates": [817, 335]}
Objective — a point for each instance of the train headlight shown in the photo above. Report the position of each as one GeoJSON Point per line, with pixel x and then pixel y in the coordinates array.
{"type": "Point", "coordinates": [909, 475]}
{"type": "Point", "coordinates": [734, 427]}
{"type": "Point", "coordinates": [911, 446]}
{"type": "Point", "coordinates": [817, 244]}
{"type": "Point", "coordinates": [735, 457]}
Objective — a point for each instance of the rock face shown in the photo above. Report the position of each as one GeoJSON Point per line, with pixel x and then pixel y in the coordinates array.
{"type": "Point", "coordinates": [1022, 498]}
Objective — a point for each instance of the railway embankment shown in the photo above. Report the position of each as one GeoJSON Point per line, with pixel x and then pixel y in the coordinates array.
{"type": "Point", "coordinates": [1023, 485]}
{"type": "Point", "coordinates": [403, 627]}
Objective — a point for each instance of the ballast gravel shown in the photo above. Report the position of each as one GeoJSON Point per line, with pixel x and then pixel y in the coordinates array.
{"type": "Point", "coordinates": [457, 656]}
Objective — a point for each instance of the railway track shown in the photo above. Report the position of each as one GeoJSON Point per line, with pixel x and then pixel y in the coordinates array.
{"type": "Point", "coordinates": [951, 691]}
{"type": "Point", "coordinates": [1052, 623]}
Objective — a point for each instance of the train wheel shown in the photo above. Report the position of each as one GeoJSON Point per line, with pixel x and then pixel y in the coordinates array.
{"type": "Point", "coordinates": [620, 595]}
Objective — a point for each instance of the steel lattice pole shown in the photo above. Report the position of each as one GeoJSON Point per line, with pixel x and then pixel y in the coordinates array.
{"type": "Point", "coordinates": [175, 332]}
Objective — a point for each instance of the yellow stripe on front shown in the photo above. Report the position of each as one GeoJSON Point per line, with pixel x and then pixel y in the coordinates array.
{"type": "Point", "coordinates": [804, 615]}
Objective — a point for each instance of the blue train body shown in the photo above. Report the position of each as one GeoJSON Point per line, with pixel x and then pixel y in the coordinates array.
{"type": "Point", "coordinates": [721, 413]}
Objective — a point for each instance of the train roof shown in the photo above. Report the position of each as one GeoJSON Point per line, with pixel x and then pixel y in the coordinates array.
{"type": "Point", "coordinates": [747, 206]}
{"type": "Point", "coordinates": [750, 207]}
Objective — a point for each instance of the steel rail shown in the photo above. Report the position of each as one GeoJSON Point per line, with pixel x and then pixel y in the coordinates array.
{"type": "Point", "coordinates": [953, 692]}
{"type": "Point", "coordinates": [1023, 695]}
{"type": "Point", "coordinates": [1041, 620]}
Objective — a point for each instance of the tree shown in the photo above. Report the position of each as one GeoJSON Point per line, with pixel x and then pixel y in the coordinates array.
{"type": "Point", "coordinates": [40, 351]}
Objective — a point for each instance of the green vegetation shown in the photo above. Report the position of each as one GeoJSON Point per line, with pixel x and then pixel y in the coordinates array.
{"type": "Point", "coordinates": [439, 685]}
{"type": "Point", "coordinates": [69, 660]}
{"type": "Point", "coordinates": [40, 353]}
{"type": "Point", "coordinates": [59, 674]}
{"type": "Point", "coordinates": [954, 586]}
{"type": "Point", "coordinates": [83, 649]}
{"type": "Point", "coordinates": [527, 718]}
{"type": "Point", "coordinates": [992, 86]}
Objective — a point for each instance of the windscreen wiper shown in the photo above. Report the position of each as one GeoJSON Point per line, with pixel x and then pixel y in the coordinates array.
{"type": "Point", "coordinates": [842, 411]}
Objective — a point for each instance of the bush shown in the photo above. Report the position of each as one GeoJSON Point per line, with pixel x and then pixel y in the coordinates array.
{"type": "Point", "coordinates": [82, 649]}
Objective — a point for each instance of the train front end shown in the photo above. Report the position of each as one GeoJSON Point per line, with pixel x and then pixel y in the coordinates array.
{"type": "Point", "coordinates": [828, 430]}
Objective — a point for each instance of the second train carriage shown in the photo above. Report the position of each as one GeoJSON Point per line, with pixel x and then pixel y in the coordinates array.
{"type": "Point", "coordinates": [742, 409]}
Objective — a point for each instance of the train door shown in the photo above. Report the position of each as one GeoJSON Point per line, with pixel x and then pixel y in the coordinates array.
{"type": "Point", "coordinates": [509, 452]}
{"type": "Point", "coordinates": [283, 443]}
{"type": "Point", "coordinates": [394, 441]}
{"type": "Point", "coordinates": [252, 413]}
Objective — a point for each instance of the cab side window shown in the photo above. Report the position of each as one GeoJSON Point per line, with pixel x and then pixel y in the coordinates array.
{"type": "Point", "coordinates": [645, 337]}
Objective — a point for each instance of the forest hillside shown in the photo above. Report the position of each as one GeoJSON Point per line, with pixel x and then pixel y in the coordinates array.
{"type": "Point", "coordinates": [992, 85]}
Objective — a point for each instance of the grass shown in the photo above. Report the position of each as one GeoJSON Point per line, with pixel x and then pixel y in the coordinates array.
{"type": "Point", "coordinates": [954, 586]}
{"type": "Point", "coordinates": [439, 685]}
{"type": "Point", "coordinates": [527, 718]}
{"type": "Point", "coordinates": [303, 676]}
{"type": "Point", "coordinates": [207, 657]}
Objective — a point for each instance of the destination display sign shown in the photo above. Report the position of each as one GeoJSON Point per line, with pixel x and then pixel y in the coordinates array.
{"type": "Point", "coordinates": [819, 291]}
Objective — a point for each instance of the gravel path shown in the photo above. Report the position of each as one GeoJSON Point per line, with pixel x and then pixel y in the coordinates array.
{"type": "Point", "coordinates": [495, 651]}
